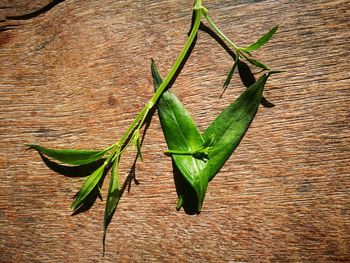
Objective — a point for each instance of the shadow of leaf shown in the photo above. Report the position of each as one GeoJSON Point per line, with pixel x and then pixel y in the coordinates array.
{"type": "Point", "coordinates": [92, 197]}
{"type": "Point", "coordinates": [88, 202]}
{"type": "Point", "coordinates": [183, 188]}
{"type": "Point", "coordinates": [245, 74]}
{"type": "Point", "coordinates": [248, 79]}
{"type": "Point", "coordinates": [71, 171]}
{"type": "Point", "coordinates": [79, 171]}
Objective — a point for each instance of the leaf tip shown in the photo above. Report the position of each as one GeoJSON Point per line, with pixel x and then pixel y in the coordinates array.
{"type": "Point", "coordinates": [275, 28]}
{"type": "Point", "coordinates": [275, 72]}
{"type": "Point", "coordinates": [31, 146]}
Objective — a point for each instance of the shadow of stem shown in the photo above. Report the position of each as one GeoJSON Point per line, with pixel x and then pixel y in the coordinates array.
{"type": "Point", "coordinates": [245, 74]}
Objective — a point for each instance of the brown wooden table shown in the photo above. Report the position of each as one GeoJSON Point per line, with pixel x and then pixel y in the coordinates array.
{"type": "Point", "coordinates": [74, 74]}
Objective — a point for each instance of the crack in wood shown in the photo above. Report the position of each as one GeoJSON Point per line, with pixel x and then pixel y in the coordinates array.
{"type": "Point", "coordinates": [36, 13]}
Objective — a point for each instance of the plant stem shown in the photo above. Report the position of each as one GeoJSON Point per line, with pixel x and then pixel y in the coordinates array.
{"type": "Point", "coordinates": [179, 152]}
{"type": "Point", "coordinates": [140, 118]}
{"type": "Point", "coordinates": [218, 31]}
{"type": "Point", "coordinates": [180, 58]}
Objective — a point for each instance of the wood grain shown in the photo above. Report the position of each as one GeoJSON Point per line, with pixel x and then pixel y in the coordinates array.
{"type": "Point", "coordinates": [77, 74]}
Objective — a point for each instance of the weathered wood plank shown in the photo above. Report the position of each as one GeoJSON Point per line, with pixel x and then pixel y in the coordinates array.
{"type": "Point", "coordinates": [76, 75]}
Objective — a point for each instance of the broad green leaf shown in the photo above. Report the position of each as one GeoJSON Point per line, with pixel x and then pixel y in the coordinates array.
{"type": "Point", "coordinates": [230, 126]}
{"type": "Point", "coordinates": [182, 135]}
{"type": "Point", "coordinates": [257, 63]}
{"type": "Point", "coordinates": [70, 156]}
{"type": "Point", "coordinates": [262, 41]}
{"type": "Point", "coordinates": [113, 195]}
{"type": "Point", "coordinates": [219, 140]}
{"type": "Point", "coordinates": [91, 182]}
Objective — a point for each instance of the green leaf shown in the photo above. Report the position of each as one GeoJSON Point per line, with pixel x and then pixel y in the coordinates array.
{"type": "Point", "coordinates": [113, 195]}
{"type": "Point", "coordinates": [219, 140]}
{"type": "Point", "coordinates": [136, 141]}
{"type": "Point", "coordinates": [257, 63]}
{"type": "Point", "coordinates": [230, 126]}
{"type": "Point", "coordinates": [181, 134]}
{"type": "Point", "coordinates": [91, 182]}
{"type": "Point", "coordinates": [261, 41]}
{"type": "Point", "coordinates": [70, 156]}
{"type": "Point", "coordinates": [230, 74]}
{"type": "Point", "coordinates": [138, 145]}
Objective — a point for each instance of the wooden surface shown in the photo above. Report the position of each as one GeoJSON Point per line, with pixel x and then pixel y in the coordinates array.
{"type": "Point", "coordinates": [77, 74]}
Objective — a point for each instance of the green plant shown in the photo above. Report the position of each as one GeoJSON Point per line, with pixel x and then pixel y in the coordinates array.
{"type": "Point", "coordinates": [197, 156]}
{"type": "Point", "coordinates": [200, 156]}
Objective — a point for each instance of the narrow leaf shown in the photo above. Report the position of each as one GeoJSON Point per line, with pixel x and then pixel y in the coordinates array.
{"type": "Point", "coordinates": [181, 135]}
{"type": "Point", "coordinates": [113, 195]}
{"type": "Point", "coordinates": [72, 171]}
{"type": "Point", "coordinates": [257, 63]}
{"type": "Point", "coordinates": [230, 74]}
{"type": "Point", "coordinates": [137, 142]}
{"type": "Point", "coordinates": [70, 156]}
{"type": "Point", "coordinates": [180, 202]}
{"type": "Point", "coordinates": [209, 142]}
{"type": "Point", "coordinates": [262, 41]}
{"type": "Point", "coordinates": [91, 182]}
{"type": "Point", "coordinates": [138, 145]}
{"type": "Point", "coordinates": [230, 126]}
